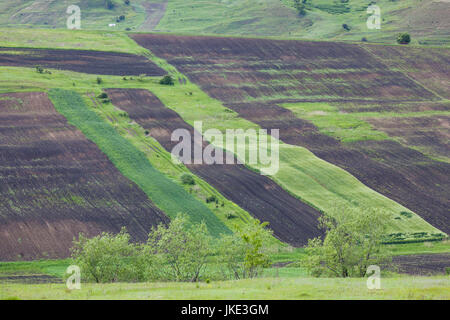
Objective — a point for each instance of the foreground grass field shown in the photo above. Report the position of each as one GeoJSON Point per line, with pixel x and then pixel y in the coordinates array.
{"type": "Point", "coordinates": [267, 288]}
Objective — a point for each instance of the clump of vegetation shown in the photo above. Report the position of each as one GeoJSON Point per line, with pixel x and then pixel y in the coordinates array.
{"type": "Point", "coordinates": [353, 241]}
{"type": "Point", "coordinates": [103, 95]}
{"type": "Point", "coordinates": [406, 214]}
{"type": "Point", "coordinates": [99, 80]}
{"type": "Point", "coordinates": [187, 179]}
{"type": "Point", "coordinates": [41, 70]}
{"type": "Point", "coordinates": [179, 251]}
{"type": "Point", "coordinates": [212, 198]}
{"type": "Point", "coordinates": [300, 7]}
{"type": "Point", "coordinates": [167, 80]}
{"type": "Point", "coordinates": [346, 27]}
{"type": "Point", "coordinates": [127, 2]}
{"type": "Point", "coordinates": [109, 4]}
{"type": "Point", "coordinates": [403, 38]}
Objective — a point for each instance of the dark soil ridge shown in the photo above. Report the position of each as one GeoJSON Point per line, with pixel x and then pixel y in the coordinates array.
{"type": "Point", "coordinates": [291, 220]}
{"type": "Point", "coordinates": [91, 62]}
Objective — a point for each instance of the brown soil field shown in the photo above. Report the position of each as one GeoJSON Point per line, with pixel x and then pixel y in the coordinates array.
{"type": "Point", "coordinates": [237, 69]}
{"type": "Point", "coordinates": [291, 220]}
{"type": "Point", "coordinates": [253, 76]}
{"type": "Point", "coordinates": [423, 265]}
{"type": "Point", "coordinates": [54, 184]}
{"type": "Point", "coordinates": [92, 62]}
{"type": "Point", "coordinates": [431, 134]}
{"type": "Point", "coordinates": [431, 68]}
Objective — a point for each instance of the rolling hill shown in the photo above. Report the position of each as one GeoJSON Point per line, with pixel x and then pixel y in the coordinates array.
{"type": "Point", "coordinates": [347, 114]}
{"type": "Point", "coordinates": [426, 20]}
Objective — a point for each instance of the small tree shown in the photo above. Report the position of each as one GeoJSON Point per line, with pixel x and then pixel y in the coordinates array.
{"type": "Point", "coordinates": [404, 38]}
{"type": "Point", "coordinates": [243, 253]}
{"type": "Point", "coordinates": [353, 241]}
{"type": "Point", "coordinates": [106, 258]}
{"type": "Point", "coordinates": [300, 7]}
{"type": "Point", "coordinates": [182, 249]}
{"type": "Point", "coordinates": [167, 80]}
{"type": "Point", "coordinates": [99, 80]}
{"type": "Point", "coordinates": [188, 179]}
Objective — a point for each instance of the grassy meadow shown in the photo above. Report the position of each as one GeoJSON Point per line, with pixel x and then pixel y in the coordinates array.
{"type": "Point", "coordinates": [284, 288]}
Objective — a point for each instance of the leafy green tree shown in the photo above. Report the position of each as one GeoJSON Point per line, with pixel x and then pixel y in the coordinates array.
{"type": "Point", "coordinates": [182, 249]}
{"type": "Point", "coordinates": [352, 242]}
{"type": "Point", "coordinates": [107, 258]}
{"type": "Point", "coordinates": [300, 7]}
{"type": "Point", "coordinates": [167, 80]}
{"type": "Point", "coordinates": [243, 252]}
{"type": "Point", "coordinates": [403, 38]}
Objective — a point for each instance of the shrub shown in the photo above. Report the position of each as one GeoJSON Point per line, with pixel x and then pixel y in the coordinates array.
{"type": "Point", "coordinates": [364, 39]}
{"type": "Point", "coordinates": [353, 241]}
{"type": "Point", "coordinates": [346, 27]}
{"type": "Point", "coordinates": [167, 80]}
{"type": "Point", "coordinates": [404, 38]}
{"type": "Point", "coordinates": [188, 179]}
{"type": "Point", "coordinates": [212, 198]}
{"type": "Point", "coordinates": [103, 95]}
{"type": "Point", "coordinates": [243, 253]}
{"type": "Point", "coordinates": [109, 4]}
{"type": "Point", "coordinates": [127, 2]}
{"type": "Point", "coordinates": [99, 80]}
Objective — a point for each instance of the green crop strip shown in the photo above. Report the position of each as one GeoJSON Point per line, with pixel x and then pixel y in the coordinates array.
{"type": "Point", "coordinates": [167, 195]}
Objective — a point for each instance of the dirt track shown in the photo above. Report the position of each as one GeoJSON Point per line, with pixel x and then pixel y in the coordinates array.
{"type": "Point", "coordinates": [54, 184]}
{"type": "Point", "coordinates": [93, 62]}
{"type": "Point", "coordinates": [253, 76]}
{"type": "Point", "coordinates": [155, 12]}
{"type": "Point", "coordinates": [291, 220]}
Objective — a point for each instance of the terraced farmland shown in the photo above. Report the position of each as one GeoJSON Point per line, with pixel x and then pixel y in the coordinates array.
{"type": "Point", "coordinates": [55, 184]}
{"type": "Point", "coordinates": [92, 62]}
{"type": "Point", "coordinates": [258, 78]}
{"type": "Point", "coordinates": [291, 220]}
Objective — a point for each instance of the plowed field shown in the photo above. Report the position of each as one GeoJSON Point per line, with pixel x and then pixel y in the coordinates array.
{"type": "Point", "coordinates": [93, 62]}
{"type": "Point", "coordinates": [254, 76]}
{"type": "Point", "coordinates": [54, 184]}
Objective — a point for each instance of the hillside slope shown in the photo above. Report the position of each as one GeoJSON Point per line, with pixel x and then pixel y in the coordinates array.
{"type": "Point", "coordinates": [426, 20]}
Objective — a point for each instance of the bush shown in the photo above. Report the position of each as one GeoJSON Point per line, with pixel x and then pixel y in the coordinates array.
{"type": "Point", "coordinates": [127, 2]}
{"type": "Point", "coordinates": [346, 27]}
{"type": "Point", "coordinates": [242, 254]}
{"type": "Point", "coordinates": [176, 252]}
{"type": "Point", "coordinates": [99, 80]}
{"type": "Point", "coordinates": [107, 258]}
{"type": "Point", "coordinates": [352, 242]}
{"type": "Point", "coordinates": [167, 80]}
{"type": "Point", "coordinates": [212, 198]}
{"type": "Point", "coordinates": [188, 179]}
{"type": "Point", "coordinates": [404, 38]}
{"type": "Point", "coordinates": [103, 95]}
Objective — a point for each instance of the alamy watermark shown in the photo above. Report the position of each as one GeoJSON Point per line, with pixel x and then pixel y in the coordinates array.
{"type": "Point", "coordinates": [374, 280]}
{"type": "Point", "coordinates": [74, 280]}
{"type": "Point", "coordinates": [374, 21]}
{"type": "Point", "coordinates": [74, 20]}
{"type": "Point", "coordinates": [236, 146]}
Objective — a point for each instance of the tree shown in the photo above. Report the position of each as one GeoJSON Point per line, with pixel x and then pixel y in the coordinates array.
{"type": "Point", "coordinates": [182, 249]}
{"type": "Point", "coordinates": [107, 258]}
{"type": "Point", "coordinates": [353, 241]}
{"type": "Point", "coordinates": [167, 80]}
{"type": "Point", "coordinates": [243, 252]}
{"type": "Point", "coordinates": [403, 38]}
{"type": "Point", "coordinates": [300, 7]}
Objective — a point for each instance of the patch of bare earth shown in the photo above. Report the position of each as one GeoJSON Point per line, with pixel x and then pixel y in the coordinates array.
{"type": "Point", "coordinates": [54, 184]}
